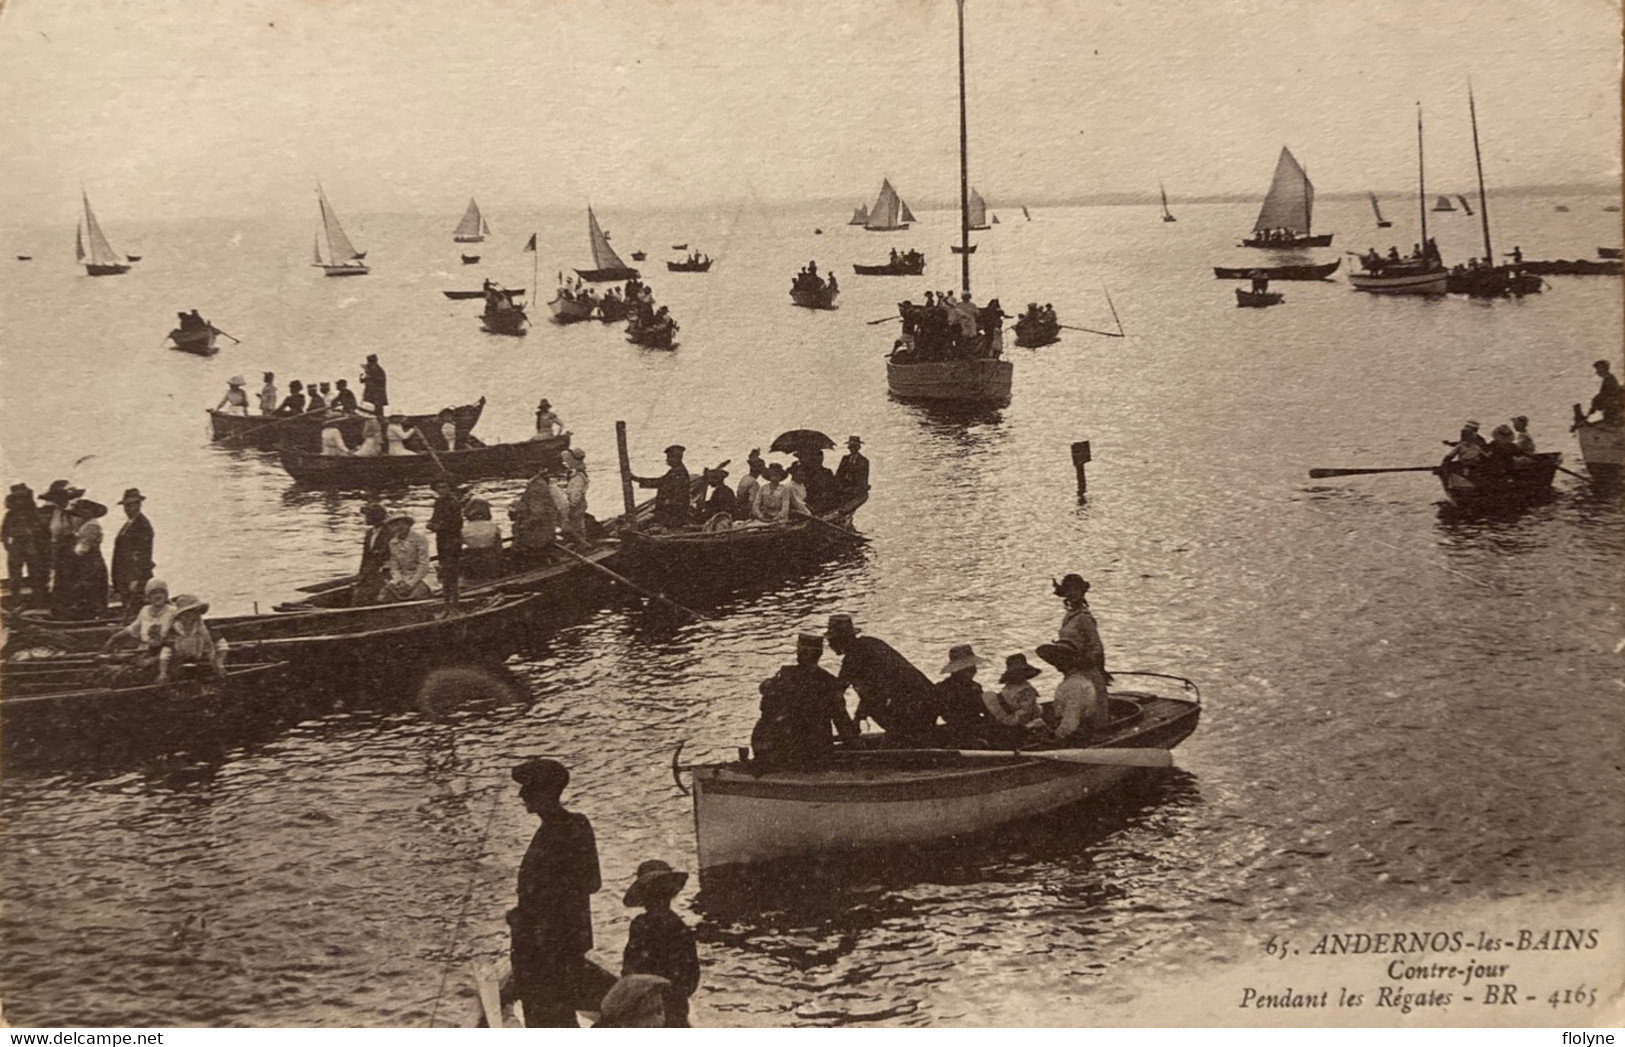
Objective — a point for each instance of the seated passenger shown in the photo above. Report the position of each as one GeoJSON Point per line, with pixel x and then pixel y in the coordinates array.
{"type": "Point", "coordinates": [151, 623]}
{"type": "Point", "coordinates": [372, 437]}
{"type": "Point", "coordinates": [482, 541]}
{"type": "Point", "coordinates": [721, 501]}
{"type": "Point", "coordinates": [1014, 706]}
{"type": "Point", "coordinates": [188, 643]}
{"type": "Point", "coordinates": [236, 399]}
{"type": "Point", "coordinates": [397, 434]}
{"type": "Point", "coordinates": [1080, 711]}
{"type": "Point", "coordinates": [1466, 451]}
{"type": "Point", "coordinates": [294, 402]}
{"type": "Point", "coordinates": [960, 701]}
{"type": "Point", "coordinates": [333, 443]}
{"type": "Point", "coordinates": [408, 572]}
{"type": "Point", "coordinates": [777, 502]}
{"type": "Point", "coordinates": [801, 705]}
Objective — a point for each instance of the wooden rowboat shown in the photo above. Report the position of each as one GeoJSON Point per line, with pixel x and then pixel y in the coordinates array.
{"type": "Point", "coordinates": [1278, 272]}
{"type": "Point", "coordinates": [498, 461]}
{"type": "Point", "coordinates": [303, 432]}
{"type": "Point", "coordinates": [1032, 332]}
{"type": "Point", "coordinates": [199, 341]}
{"type": "Point", "coordinates": [1602, 447]}
{"type": "Point", "coordinates": [690, 267]}
{"type": "Point", "coordinates": [819, 298]}
{"type": "Point", "coordinates": [902, 267]}
{"type": "Point", "coordinates": [40, 702]}
{"type": "Point", "coordinates": [738, 554]}
{"type": "Point", "coordinates": [465, 296]}
{"type": "Point", "coordinates": [1257, 299]}
{"type": "Point", "coordinates": [1528, 482]}
{"type": "Point", "coordinates": [747, 812]}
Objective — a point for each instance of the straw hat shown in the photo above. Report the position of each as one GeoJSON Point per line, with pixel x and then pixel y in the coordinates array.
{"type": "Point", "coordinates": [88, 509]}
{"type": "Point", "coordinates": [1016, 667]}
{"type": "Point", "coordinates": [961, 656]}
{"type": "Point", "coordinates": [1073, 586]}
{"type": "Point", "coordinates": [186, 603]}
{"type": "Point", "coordinates": [1063, 654]}
{"type": "Point", "coordinates": [399, 517]}
{"type": "Point", "coordinates": [657, 877]}
{"type": "Point", "coordinates": [237, 380]}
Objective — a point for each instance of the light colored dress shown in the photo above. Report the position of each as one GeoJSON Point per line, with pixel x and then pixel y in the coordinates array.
{"type": "Point", "coordinates": [1080, 707]}
{"type": "Point", "coordinates": [333, 443]}
{"type": "Point", "coordinates": [775, 502]}
{"type": "Point", "coordinates": [268, 398]}
{"type": "Point", "coordinates": [372, 439]}
{"type": "Point", "coordinates": [397, 440]}
{"type": "Point", "coordinates": [1013, 705]}
{"type": "Point", "coordinates": [575, 498]}
{"type": "Point", "coordinates": [409, 572]}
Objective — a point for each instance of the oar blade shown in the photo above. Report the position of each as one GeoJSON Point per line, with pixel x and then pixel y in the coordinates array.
{"type": "Point", "coordinates": [1103, 757]}
{"type": "Point", "coordinates": [1321, 474]}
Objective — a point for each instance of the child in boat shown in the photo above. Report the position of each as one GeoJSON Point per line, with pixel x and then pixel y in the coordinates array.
{"type": "Point", "coordinates": [659, 942]}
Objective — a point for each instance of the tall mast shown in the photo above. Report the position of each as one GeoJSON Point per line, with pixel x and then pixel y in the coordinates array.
{"type": "Point", "coordinates": [1483, 202]}
{"type": "Point", "coordinates": [1421, 182]}
{"type": "Point", "coordinates": [964, 165]}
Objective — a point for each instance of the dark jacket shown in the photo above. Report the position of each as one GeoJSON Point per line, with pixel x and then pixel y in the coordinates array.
{"type": "Point", "coordinates": [344, 399]}
{"type": "Point", "coordinates": [800, 705]}
{"type": "Point", "coordinates": [672, 493]}
{"type": "Point", "coordinates": [369, 578]}
{"type": "Point", "coordinates": [132, 564]}
{"type": "Point", "coordinates": [722, 500]}
{"type": "Point", "coordinates": [660, 943]}
{"type": "Point", "coordinates": [891, 691]}
{"type": "Point", "coordinates": [557, 879]}
{"type": "Point", "coordinates": [374, 385]}
{"type": "Point", "coordinates": [959, 702]}
{"type": "Point", "coordinates": [853, 473]}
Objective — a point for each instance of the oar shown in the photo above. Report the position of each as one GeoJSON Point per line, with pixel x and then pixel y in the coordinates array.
{"type": "Point", "coordinates": [843, 532]}
{"type": "Point", "coordinates": [1090, 330]}
{"type": "Point", "coordinates": [885, 320]}
{"type": "Point", "coordinates": [1092, 757]}
{"type": "Point", "coordinates": [1318, 474]}
{"type": "Point", "coordinates": [630, 584]}
{"type": "Point", "coordinates": [328, 586]}
{"type": "Point", "coordinates": [1571, 472]}
{"type": "Point", "coordinates": [233, 337]}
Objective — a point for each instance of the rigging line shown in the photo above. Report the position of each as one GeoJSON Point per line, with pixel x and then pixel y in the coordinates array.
{"type": "Point", "coordinates": [462, 909]}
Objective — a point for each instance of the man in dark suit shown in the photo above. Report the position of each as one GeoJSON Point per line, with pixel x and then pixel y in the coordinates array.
{"type": "Point", "coordinates": [852, 475]}
{"type": "Point", "coordinates": [132, 553]}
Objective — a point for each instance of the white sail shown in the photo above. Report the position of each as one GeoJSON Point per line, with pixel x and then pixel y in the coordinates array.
{"type": "Point", "coordinates": [339, 248]}
{"type": "Point", "coordinates": [469, 229]}
{"type": "Point", "coordinates": [977, 214]}
{"type": "Point", "coordinates": [884, 214]}
{"type": "Point", "coordinates": [603, 255]}
{"type": "Point", "coordinates": [908, 216]}
{"type": "Point", "coordinates": [1290, 202]}
{"type": "Point", "coordinates": [101, 252]}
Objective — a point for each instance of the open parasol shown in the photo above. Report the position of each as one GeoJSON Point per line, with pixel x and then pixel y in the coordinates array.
{"type": "Point", "coordinates": [797, 441]}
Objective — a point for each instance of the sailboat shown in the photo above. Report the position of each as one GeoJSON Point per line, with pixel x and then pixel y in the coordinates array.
{"type": "Point", "coordinates": [342, 257]}
{"type": "Point", "coordinates": [890, 213]}
{"type": "Point", "coordinates": [947, 369]}
{"type": "Point", "coordinates": [472, 229]}
{"type": "Point", "coordinates": [1443, 204]}
{"type": "Point", "coordinates": [102, 259]}
{"type": "Point", "coordinates": [1485, 279]}
{"type": "Point", "coordinates": [860, 215]}
{"type": "Point", "coordinates": [1287, 218]}
{"type": "Point", "coordinates": [1424, 275]}
{"type": "Point", "coordinates": [1382, 223]}
{"type": "Point", "coordinates": [1167, 215]}
{"type": "Point", "coordinates": [607, 265]}
{"type": "Point", "coordinates": [978, 212]}
{"type": "Point", "coordinates": [1465, 206]}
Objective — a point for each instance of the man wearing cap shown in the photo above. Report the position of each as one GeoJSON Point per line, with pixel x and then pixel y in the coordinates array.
{"type": "Point", "coordinates": [1078, 628]}
{"type": "Point", "coordinates": [801, 703]}
{"type": "Point", "coordinates": [552, 924]}
{"type": "Point", "coordinates": [891, 691]}
{"type": "Point", "coordinates": [343, 398]}
{"type": "Point", "coordinates": [672, 491]}
{"type": "Point", "coordinates": [1610, 399]}
{"type": "Point", "coordinates": [852, 475]}
{"type": "Point", "coordinates": [132, 562]}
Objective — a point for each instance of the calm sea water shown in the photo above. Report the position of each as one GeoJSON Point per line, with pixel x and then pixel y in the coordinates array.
{"type": "Point", "coordinates": [1404, 709]}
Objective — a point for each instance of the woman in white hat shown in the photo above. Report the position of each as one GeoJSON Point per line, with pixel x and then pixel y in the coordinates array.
{"type": "Point", "coordinates": [236, 399]}
{"type": "Point", "coordinates": [188, 642]}
{"type": "Point", "coordinates": [409, 567]}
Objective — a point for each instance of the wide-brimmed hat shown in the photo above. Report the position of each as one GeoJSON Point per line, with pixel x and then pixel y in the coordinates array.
{"type": "Point", "coordinates": [398, 517]}
{"type": "Point", "coordinates": [960, 656]}
{"type": "Point", "coordinates": [854, 441]}
{"type": "Point", "coordinates": [840, 625]}
{"type": "Point", "coordinates": [1072, 586]}
{"type": "Point", "coordinates": [543, 773]}
{"type": "Point", "coordinates": [1016, 667]}
{"type": "Point", "coordinates": [154, 585]}
{"type": "Point", "coordinates": [61, 492]}
{"type": "Point", "coordinates": [775, 471]}
{"type": "Point", "coordinates": [654, 877]}
{"type": "Point", "coordinates": [1063, 654]}
{"type": "Point", "coordinates": [544, 404]}
{"type": "Point", "coordinates": [637, 1001]}
{"type": "Point", "coordinates": [88, 509]}
{"type": "Point", "coordinates": [186, 603]}
{"type": "Point", "coordinates": [236, 379]}
{"type": "Point", "coordinates": [577, 453]}
{"type": "Point", "coordinates": [132, 494]}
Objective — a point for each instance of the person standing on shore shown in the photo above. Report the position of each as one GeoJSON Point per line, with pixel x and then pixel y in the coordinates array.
{"type": "Point", "coordinates": [132, 563]}
{"type": "Point", "coordinates": [552, 924]}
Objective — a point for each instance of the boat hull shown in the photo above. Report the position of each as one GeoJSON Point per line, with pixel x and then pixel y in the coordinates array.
{"type": "Point", "coordinates": [510, 321]}
{"type": "Point", "coordinates": [1497, 282]}
{"type": "Point", "coordinates": [466, 296]}
{"type": "Point", "coordinates": [345, 270]}
{"type": "Point", "coordinates": [501, 461]}
{"type": "Point", "coordinates": [1528, 485]}
{"type": "Point", "coordinates": [1278, 272]}
{"type": "Point", "coordinates": [687, 267]}
{"type": "Point", "coordinates": [1578, 267]}
{"type": "Point", "coordinates": [304, 432]}
{"type": "Point", "coordinates": [40, 703]}
{"type": "Point", "coordinates": [1034, 335]}
{"type": "Point", "coordinates": [198, 343]}
{"type": "Point", "coordinates": [1318, 240]}
{"type": "Point", "coordinates": [105, 270]}
{"type": "Point", "coordinates": [1434, 282]}
{"type": "Point", "coordinates": [723, 559]}
{"type": "Point", "coordinates": [1257, 299]}
{"type": "Point", "coordinates": [898, 268]}
{"type": "Point", "coordinates": [471, 259]}
{"type": "Point", "coordinates": [979, 380]}
{"type": "Point", "coordinates": [652, 336]}
{"type": "Point", "coordinates": [1603, 449]}
{"type": "Point", "coordinates": [824, 298]}
{"type": "Point", "coordinates": [570, 310]}
{"type": "Point", "coordinates": [745, 814]}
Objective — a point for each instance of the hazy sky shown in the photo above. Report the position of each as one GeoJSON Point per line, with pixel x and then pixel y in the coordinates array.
{"type": "Point", "coordinates": [182, 107]}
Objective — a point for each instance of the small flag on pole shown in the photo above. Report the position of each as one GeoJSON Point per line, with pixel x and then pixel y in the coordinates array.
{"type": "Point", "coordinates": [530, 245]}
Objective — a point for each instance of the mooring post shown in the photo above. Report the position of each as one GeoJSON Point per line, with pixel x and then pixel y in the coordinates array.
{"type": "Point", "coordinates": [1080, 458]}
{"type": "Point", "coordinates": [626, 475]}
